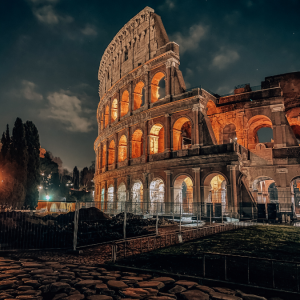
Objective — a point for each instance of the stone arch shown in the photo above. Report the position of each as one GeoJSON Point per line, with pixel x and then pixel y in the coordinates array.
{"type": "Point", "coordinates": [157, 91]}
{"type": "Point", "coordinates": [182, 133]}
{"type": "Point", "coordinates": [254, 124]}
{"type": "Point", "coordinates": [157, 139]}
{"type": "Point", "coordinates": [122, 148]}
{"type": "Point", "coordinates": [103, 155]}
{"type": "Point", "coordinates": [124, 103]}
{"type": "Point", "coordinates": [114, 110]}
{"type": "Point", "coordinates": [211, 108]}
{"type": "Point", "coordinates": [296, 130]}
{"type": "Point", "coordinates": [183, 186]}
{"type": "Point", "coordinates": [110, 196]}
{"type": "Point", "coordinates": [121, 197]}
{"type": "Point", "coordinates": [229, 133]}
{"type": "Point", "coordinates": [106, 118]}
{"type": "Point", "coordinates": [137, 144]}
{"type": "Point", "coordinates": [111, 152]}
{"type": "Point", "coordinates": [137, 195]}
{"type": "Point", "coordinates": [264, 190]}
{"type": "Point", "coordinates": [157, 190]}
{"type": "Point", "coordinates": [139, 95]}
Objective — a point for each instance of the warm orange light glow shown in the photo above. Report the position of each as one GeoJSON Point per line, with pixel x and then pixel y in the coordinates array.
{"type": "Point", "coordinates": [155, 86]}
{"type": "Point", "coordinates": [157, 137]}
{"type": "Point", "coordinates": [124, 103]}
{"type": "Point", "coordinates": [138, 95]}
{"type": "Point", "coordinates": [114, 110]}
{"type": "Point", "coordinates": [122, 148]}
{"type": "Point", "coordinates": [111, 152]}
{"type": "Point", "coordinates": [106, 115]}
{"type": "Point", "coordinates": [182, 133]}
{"type": "Point", "coordinates": [137, 144]}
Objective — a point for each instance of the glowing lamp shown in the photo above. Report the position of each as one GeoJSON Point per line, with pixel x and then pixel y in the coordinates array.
{"type": "Point", "coordinates": [47, 197]}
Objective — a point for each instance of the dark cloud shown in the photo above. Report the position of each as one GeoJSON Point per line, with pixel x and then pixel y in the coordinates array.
{"type": "Point", "coordinates": [51, 49]}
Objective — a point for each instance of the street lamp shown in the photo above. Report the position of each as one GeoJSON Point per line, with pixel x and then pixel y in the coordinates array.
{"type": "Point", "coordinates": [47, 197]}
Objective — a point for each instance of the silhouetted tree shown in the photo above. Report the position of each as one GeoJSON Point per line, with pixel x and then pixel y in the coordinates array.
{"type": "Point", "coordinates": [76, 178]}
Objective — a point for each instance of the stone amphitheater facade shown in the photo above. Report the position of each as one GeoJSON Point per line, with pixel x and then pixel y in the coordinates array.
{"type": "Point", "coordinates": [161, 143]}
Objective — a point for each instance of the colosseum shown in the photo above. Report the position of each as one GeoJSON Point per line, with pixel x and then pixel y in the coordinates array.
{"type": "Point", "coordinates": [162, 147]}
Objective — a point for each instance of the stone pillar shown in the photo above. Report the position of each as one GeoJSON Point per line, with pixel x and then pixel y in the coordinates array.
{"type": "Point", "coordinates": [279, 126]}
{"type": "Point", "coordinates": [168, 133]}
{"type": "Point", "coordinates": [145, 137]}
{"type": "Point", "coordinates": [105, 196]}
{"type": "Point", "coordinates": [197, 196]}
{"type": "Point", "coordinates": [128, 144]}
{"type": "Point", "coordinates": [168, 199]}
{"type": "Point", "coordinates": [196, 125]}
{"type": "Point", "coordinates": [106, 155]}
{"type": "Point", "coordinates": [147, 86]}
{"type": "Point", "coordinates": [146, 200]}
{"type": "Point", "coordinates": [130, 90]}
{"type": "Point", "coordinates": [100, 159]}
{"type": "Point", "coordinates": [168, 78]}
{"type": "Point", "coordinates": [116, 149]}
{"type": "Point", "coordinates": [115, 193]}
{"type": "Point", "coordinates": [109, 112]}
{"type": "Point", "coordinates": [233, 169]}
{"type": "Point", "coordinates": [128, 189]}
{"type": "Point", "coordinates": [119, 106]}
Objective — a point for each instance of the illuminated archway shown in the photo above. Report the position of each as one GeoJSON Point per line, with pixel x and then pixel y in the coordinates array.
{"type": "Point", "coordinates": [114, 110]}
{"type": "Point", "coordinates": [157, 87]}
{"type": "Point", "coordinates": [103, 155]}
{"type": "Point", "coordinates": [182, 134]}
{"type": "Point", "coordinates": [254, 124]}
{"type": "Point", "coordinates": [183, 194]}
{"type": "Point", "coordinates": [110, 196]}
{"type": "Point", "coordinates": [138, 97]}
{"type": "Point", "coordinates": [229, 134]}
{"type": "Point", "coordinates": [157, 196]}
{"type": "Point", "coordinates": [122, 148]}
{"type": "Point", "coordinates": [102, 198]}
{"type": "Point", "coordinates": [264, 190]}
{"type": "Point", "coordinates": [124, 103]}
{"type": "Point", "coordinates": [137, 144]}
{"type": "Point", "coordinates": [137, 196]}
{"type": "Point", "coordinates": [111, 152]}
{"type": "Point", "coordinates": [121, 195]}
{"type": "Point", "coordinates": [106, 115]}
{"type": "Point", "coordinates": [157, 139]}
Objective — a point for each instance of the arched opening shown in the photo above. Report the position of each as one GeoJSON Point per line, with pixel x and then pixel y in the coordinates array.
{"type": "Point", "coordinates": [264, 190]}
{"type": "Point", "coordinates": [295, 190]}
{"type": "Point", "coordinates": [137, 144]}
{"type": "Point", "coordinates": [114, 110]}
{"type": "Point", "coordinates": [157, 139]}
{"type": "Point", "coordinates": [215, 195]}
{"type": "Point", "coordinates": [121, 195]}
{"type": "Point", "coordinates": [106, 115]}
{"type": "Point", "coordinates": [103, 155]}
{"type": "Point", "coordinates": [138, 95]}
{"type": "Point", "coordinates": [229, 134]}
{"type": "Point", "coordinates": [126, 54]}
{"type": "Point", "coordinates": [110, 196]}
{"type": "Point", "coordinates": [102, 198]}
{"type": "Point", "coordinates": [296, 130]}
{"type": "Point", "coordinates": [182, 134]}
{"type": "Point", "coordinates": [183, 194]}
{"type": "Point", "coordinates": [111, 152]}
{"type": "Point", "coordinates": [265, 135]}
{"type": "Point", "coordinates": [157, 195]}
{"type": "Point", "coordinates": [137, 196]}
{"type": "Point", "coordinates": [124, 103]}
{"type": "Point", "coordinates": [122, 148]}
{"type": "Point", "coordinates": [255, 124]}
{"type": "Point", "coordinates": [102, 121]}
{"type": "Point", "coordinates": [157, 87]}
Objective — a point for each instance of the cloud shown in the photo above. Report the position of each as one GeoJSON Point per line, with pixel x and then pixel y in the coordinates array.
{"type": "Point", "coordinates": [28, 91]}
{"type": "Point", "coordinates": [224, 58]}
{"type": "Point", "coordinates": [224, 89]}
{"type": "Point", "coordinates": [89, 30]}
{"type": "Point", "coordinates": [68, 110]}
{"type": "Point", "coordinates": [168, 4]}
{"type": "Point", "coordinates": [190, 42]}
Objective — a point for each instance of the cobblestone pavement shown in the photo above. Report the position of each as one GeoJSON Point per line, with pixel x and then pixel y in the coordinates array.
{"type": "Point", "coordinates": [26, 278]}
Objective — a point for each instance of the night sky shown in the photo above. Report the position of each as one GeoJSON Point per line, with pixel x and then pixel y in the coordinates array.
{"type": "Point", "coordinates": [50, 52]}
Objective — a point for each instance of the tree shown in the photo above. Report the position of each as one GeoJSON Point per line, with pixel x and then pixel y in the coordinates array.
{"type": "Point", "coordinates": [5, 141]}
{"type": "Point", "coordinates": [84, 177]}
{"type": "Point", "coordinates": [76, 178]}
{"type": "Point", "coordinates": [33, 166]}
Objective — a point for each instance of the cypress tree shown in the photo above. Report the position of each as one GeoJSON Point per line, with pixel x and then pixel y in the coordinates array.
{"type": "Point", "coordinates": [5, 141]}
{"type": "Point", "coordinates": [33, 165]}
{"type": "Point", "coordinates": [76, 178]}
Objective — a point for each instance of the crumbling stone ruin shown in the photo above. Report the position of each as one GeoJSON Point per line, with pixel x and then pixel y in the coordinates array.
{"type": "Point", "coordinates": [161, 143]}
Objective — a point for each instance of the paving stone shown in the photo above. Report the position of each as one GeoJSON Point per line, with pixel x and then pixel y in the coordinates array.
{"type": "Point", "coordinates": [87, 283]}
{"type": "Point", "coordinates": [32, 265]}
{"type": "Point", "coordinates": [177, 289]}
{"type": "Point", "coordinates": [133, 278]}
{"type": "Point", "coordinates": [167, 295]}
{"type": "Point", "coordinates": [75, 297]}
{"type": "Point", "coordinates": [101, 286]}
{"type": "Point", "coordinates": [194, 295]}
{"type": "Point", "coordinates": [160, 298]}
{"type": "Point", "coordinates": [151, 291]}
{"type": "Point", "coordinates": [5, 296]}
{"type": "Point", "coordinates": [151, 284]}
{"type": "Point", "coordinates": [6, 284]}
{"type": "Point", "coordinates": [116, 285]}
{"type": "Point", "coordinates": [89, 292]}
{"type": "Point", "coordinates": [135, 293]}
{"type": "Point", "coordinates": [165, 280]}
{"type": "Point", "coordinates": [249, 296]}
{"type": "Point", "coordinates": [58, 286]}
{"type": "Point", "coordinates": [60, 296]}
{"type": "Point", "coordinates": [106, 278]}
{"type": "Point", "coordinates": [204, 289]}
{"type": "Point", "coordinates": [30, 292]}
{"type": "Point", "coordinates": [186, 283]}
{"type": "Point", "coordinates": [224, 290]}
{"type": "Point", "coordinates": [219, 296]}
{"type": "Point", "coordinates": [24, 288]}
{"type": "Point", "coordinates": [99, 297]}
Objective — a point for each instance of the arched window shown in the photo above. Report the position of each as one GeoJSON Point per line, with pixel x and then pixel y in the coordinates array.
{"type": "Point", "coordinates": [157, 191]}
{"type": "Point", "coordinates": [106, 115]}
{"type": "Point", "coordinates": [122, 148]}
{"type": "Point", "coordinates": [111, 152]}
{"type": "Point", "coordinates": [125, 55]}
{"type": "Point", "coordinates": [157, 139]}
{"type": "Point", "coordinates": [114, 110]}
{"type": "Point", "coordinates": [229, 134]}
{"type": "Point", "coordinates": [124, 103]}
{"type": "Point", "coordinates": [157, 87]}
{"type": "Point", "coordinates": [182, 134]}
{"type": "Point", "coordinates": [138, 96]}
{"type": "Point", "coordinates": [137, 144]}
{"type": "Point", "coordinates": [103, 155]}
{"type": "Point", "coordinates": [183, 194]}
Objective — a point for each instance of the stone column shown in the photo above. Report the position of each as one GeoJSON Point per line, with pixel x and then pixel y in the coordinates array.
{"type": "Point", "coordinates": [130, 90]}
{"type": "Point", "coordinates": [168, 199]}
{"type": "Point", "coordinates": [119, 107]}
{"type": "Point", "coordinates": [100, 159]}
{"type": "Point", "coordinates": [106, 155]}
{"type": "Point", "coordinates": [197, 185]}
{"type": "Point", "coordinates": [109, 112]}
{"type": "Point", "coordinates": [168, 78]}
{"type": "Point", "coordinates": [146, 199]}
{"type": "Point", "coordinates": [278, 122]}
{"type": "Point", "coordinates": [105, 196]}
{"type": "Point", "coordinates": [168, 133]}
{"type": "Point", "coordinates": [196, 125]}
{"type": "Point", "coordinates": [128, 144]}
{"type": "Point", "coordinates": [147, 86]}
{"type": "Point", "coordinates": [233, 169]}
{"type": "Point", "coordinates": [145, 140]}
{"type": "Point", "coordinates": [128, 189]}
{"type": "Point", "coordinates": [116, 149]}
{"type": "Point", "coordinates": [115, 193]}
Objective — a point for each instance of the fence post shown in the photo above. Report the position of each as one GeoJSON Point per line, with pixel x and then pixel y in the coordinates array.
{"type": "Point", "coordinates": [156, 218]}
{"type": "Point", "coordinates": [76, 217]}
{"type": "Point", "coordinates": [114, 252]}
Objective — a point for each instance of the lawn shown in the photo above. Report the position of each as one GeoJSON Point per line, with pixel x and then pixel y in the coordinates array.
{"type": "Point", "coordinates": [271, 242]}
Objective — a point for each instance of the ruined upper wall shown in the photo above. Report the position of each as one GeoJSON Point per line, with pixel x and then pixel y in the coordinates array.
{"type": "Point", "coordinates": [141, 39]}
